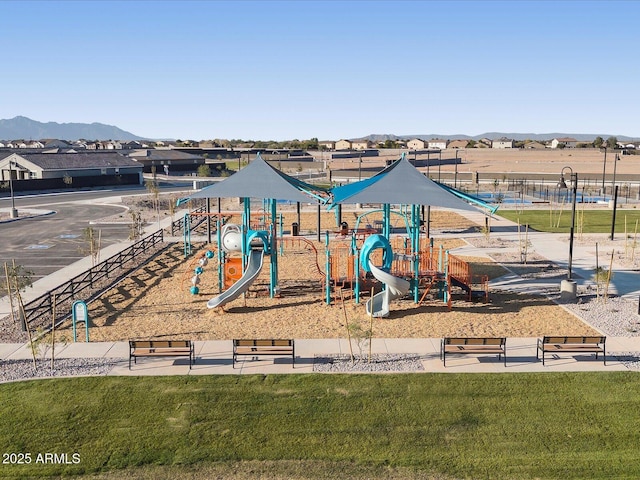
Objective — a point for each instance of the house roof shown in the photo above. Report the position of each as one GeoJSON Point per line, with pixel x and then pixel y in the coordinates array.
{"type": "Point", "coordinates": [60, 161]}
{"type": "Point", "coordinates": [399, 183]}
{"type": "Point", "coordinates": [260, 180]}
{"type": "Point", "coordinates": [151, 154]}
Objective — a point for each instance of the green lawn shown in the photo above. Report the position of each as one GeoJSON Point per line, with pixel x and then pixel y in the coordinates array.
{"type": "Point", "coordinates": [520, 426]}
{"type": "Point", "coordinates": [592, 221]}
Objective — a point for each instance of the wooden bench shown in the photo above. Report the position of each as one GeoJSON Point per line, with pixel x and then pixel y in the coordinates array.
{"type": "Point", "coordinates": [258, 347]}
{"type": "Point", "coordinates": [572, 345]}
{"type": "Point", "coordinates": [161, 348]}
{"type": "Point", "coordinates": [473, 346]}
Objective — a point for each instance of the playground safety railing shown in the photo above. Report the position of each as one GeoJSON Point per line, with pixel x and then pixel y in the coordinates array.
{"type": "Point", "coordinates": [177, 226]}
{"type": "Point", "coordinates": [37, 310]}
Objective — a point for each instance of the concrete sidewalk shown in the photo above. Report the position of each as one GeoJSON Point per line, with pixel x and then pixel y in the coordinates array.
{"type": "Point", "coordinates": [554, 247]}
{"type": "Point", "coordinates": [215, 357]}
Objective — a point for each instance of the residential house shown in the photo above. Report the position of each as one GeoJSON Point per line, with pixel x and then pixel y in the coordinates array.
{"type": "Point", "coordinates": [361, 144]}
{"type": "Point", "coordinates": [568, 142]}
{"type": "Point", "coordinates": [502, 143]}
{"type": "Point", "coordinates": [327, 145]}
{"type": "Point", "coordinates": [456, 144]}
{"type": "Point", "coordinates": [167, 160]}
{"type": "Point", "coordinates": [55, 143]}
{"type": "Point", "coordinates": [534, 146]}
{"type": "Point", "coordinates": [417, 144]}
{"type": "Point", "coordinates": [343, 145]}
{"type": "Point", "coordinates": [57, 170]}
{"type": "Point", "coordinates": [437, 144]}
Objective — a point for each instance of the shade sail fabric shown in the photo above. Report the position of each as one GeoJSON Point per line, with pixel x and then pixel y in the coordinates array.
{"type": "Point", "coordinates": [400, 184]}
{"type": "Point", "coordinates": [259, 180]}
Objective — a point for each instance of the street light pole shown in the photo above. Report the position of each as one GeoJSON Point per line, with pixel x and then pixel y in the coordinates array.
{"type": "Point", "coordinates": [615, 164]}
{"type": "Point", "coordinates": [455, 176]}
{"type": "Point", "coordinates": [14, 211]}
{"type": "Point", "coordinates": [562, 184]}
{"type": "Point", "coordinates": [604, 168]}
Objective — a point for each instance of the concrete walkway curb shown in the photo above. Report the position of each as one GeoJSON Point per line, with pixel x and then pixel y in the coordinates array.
{"type": "Point", "coordinates": [215, 357]}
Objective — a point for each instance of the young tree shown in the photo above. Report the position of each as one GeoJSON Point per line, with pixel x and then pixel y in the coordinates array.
{"type": "Point", "coordinates": [92, 241]}
{"type": "Point", "coordinates": [204, 171]}
{"type": "Point", "coordinates": [612, 142]}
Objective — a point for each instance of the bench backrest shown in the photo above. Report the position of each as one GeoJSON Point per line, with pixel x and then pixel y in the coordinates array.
{"type": "Point", "coordinates": [474, 341]}
{"type": "Point", "coordinates": [579, 340]}
{"type": "Point", "coordinates": [276, 342]}
{"type": "Point", "coordinates": [160, 343]}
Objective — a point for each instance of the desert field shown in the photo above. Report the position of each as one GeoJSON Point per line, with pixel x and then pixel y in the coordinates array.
{"type": "Point", "coordinates": [494, 163]}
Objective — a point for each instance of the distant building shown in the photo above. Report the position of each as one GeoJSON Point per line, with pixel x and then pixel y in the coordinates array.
{"type": "Point", "coordinates": [458, 144]}
{"type": "Point", "coordinates": [438, 144]}
{"type": "Point", "coordinates": [166, 161]}
{"type": "Point", "coordinates": [327, 145]}
{"type": "Point", "coordinates": [361, 144]}
{"type": "Point", "coordinates": [60, 170]}
{"type": "Point", "coordinates": [534, 146]}
{"type": "Point", "coordinates": [343, 145]}
{"type": "Point", "coordinates": [502, 143]}
{"type": "Point", "coordinates": [417, 144]}
{"type": "Point", "coordinates": [568, 142]}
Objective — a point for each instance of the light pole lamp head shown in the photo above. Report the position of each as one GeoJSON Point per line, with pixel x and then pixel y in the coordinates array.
{"type": "Point", "coordinates": [561, 182]}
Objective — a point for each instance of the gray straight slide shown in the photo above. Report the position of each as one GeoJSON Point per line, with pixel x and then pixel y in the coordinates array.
{"type": "Point", "coordinates": [396, 288]}
{"type": "Point", "coordinates": [242, 285]}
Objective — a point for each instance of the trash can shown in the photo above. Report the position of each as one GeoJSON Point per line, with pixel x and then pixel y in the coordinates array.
{"type": "Point", "coordinates": [344, 228]}
{"type": "Point", "coordinates": [295, 229]}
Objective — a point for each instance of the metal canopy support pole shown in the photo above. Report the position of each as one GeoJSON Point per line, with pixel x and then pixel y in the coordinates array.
{"type": "Point", "coordinates": [415, 247]}
{"type": "Point", "coordinates": [221, 257]}
{"type": "Point", "coordinates": [208, 221]}
{"type": "Point", "coordinates": [245, 228]}
{"type": "Point", "coordinates": [319, 237]}
{"type": "Point", "coordinates": [274, 251]}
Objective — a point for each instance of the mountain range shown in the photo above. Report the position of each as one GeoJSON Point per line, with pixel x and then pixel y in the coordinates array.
{"type": "Point", "coordinates": [23, 128]}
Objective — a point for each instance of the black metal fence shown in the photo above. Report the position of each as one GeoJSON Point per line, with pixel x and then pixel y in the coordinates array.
{"type": "Point", "coordinates": [40, 308]}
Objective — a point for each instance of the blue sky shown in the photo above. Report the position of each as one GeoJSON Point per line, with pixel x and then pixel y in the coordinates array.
{"type": "Point", "coordinates": [327, 69]}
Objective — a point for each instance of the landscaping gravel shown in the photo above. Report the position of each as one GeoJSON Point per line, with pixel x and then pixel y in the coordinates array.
{"type": "Point", "coordinates": [11, 370]}
{"type": "Point", "coordinates": [615, 317]}
{"type": "Point", "coordinates": [410, 362]}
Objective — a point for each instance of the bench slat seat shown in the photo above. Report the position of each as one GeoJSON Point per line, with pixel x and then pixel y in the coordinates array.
{"type": "Point", "coordinates": [473, 346]}
{"type": "Point", "coordinates": [161, 348]}
{"type": "Point", "coordinates": [572, 344]}
{"type": "Point", "coordinates": [255, 347]}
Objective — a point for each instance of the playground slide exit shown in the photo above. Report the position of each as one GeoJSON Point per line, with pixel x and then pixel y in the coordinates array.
{"type": "Point", "coordinates": [378, 305]}
{"type": "Point", "coordinates": [254, 266]}
{"type": "Point", "coordinates": [396, 288]}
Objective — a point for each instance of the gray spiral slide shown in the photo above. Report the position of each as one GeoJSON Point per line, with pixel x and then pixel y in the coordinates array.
{"type": "Point", "coordinates": [242, 285]}
{"type": "Point", "coordinates": [396, 288]}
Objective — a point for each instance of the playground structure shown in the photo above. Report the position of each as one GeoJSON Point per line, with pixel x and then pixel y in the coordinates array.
{"type": "Point", "coordinates": [392, 262]}
{"type": "Point", "coordinates": [409, 270]}
{"type": "Point", "coordinates": [379, 261]}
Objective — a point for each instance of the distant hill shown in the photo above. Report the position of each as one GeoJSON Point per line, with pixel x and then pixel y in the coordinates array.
{"type": "Point", "coordinates": [581, 137]}
{"type": "Point", "coordinates": [23, 128]}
